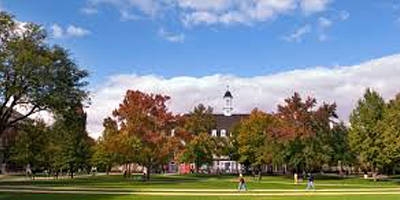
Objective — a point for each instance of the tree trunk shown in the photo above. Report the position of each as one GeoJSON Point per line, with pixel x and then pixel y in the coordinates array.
{"type": "Point", "coordinates": [197, 168]}
{"type": "Point", "coordinates": [72, 171]}
{"type": "Point", "coordinates": [129, 170]}
{"type": "Point", "coordinates": [148, 172]}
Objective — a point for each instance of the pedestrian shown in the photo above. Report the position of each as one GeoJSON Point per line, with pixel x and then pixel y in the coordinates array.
{"type": "Point", "coordinates": [242, 184]}
{"type": "Point", "coordinates": [310, 183]}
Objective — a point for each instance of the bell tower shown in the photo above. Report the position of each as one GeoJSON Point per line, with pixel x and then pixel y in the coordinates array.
{"type": "Point", "coordinates": [228, 102]}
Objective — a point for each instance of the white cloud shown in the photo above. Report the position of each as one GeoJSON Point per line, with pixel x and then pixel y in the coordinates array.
{"type": "Point", "coordinates": [89, 10]}
{"type": "Point", "coordinates": [172, 37]}
{"type": "Point", "coordinates": [343, 85]}
{"type": "Point", "coordinates": [127, 16]}
{"type": "Point", "coordinates": [210, 12]}
{"type": "Point", "coordinates": [205, 4]}
{"type": "Point", "coordinates": [313, 6]}
{"type": "Point", "coordinates": [71, 31]}
{"type": "Point", "coordinates": [75, 31]}
{"type": "Point", "coordinates": [57, 31]}
{"type": "Point", "coordinates": [298, 35]}
{"type": "Point", "coordinates": [324, 22]}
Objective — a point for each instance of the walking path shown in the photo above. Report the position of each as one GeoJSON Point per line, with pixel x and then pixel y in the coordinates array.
{"type": "Point", "coordinates": [198, 192]}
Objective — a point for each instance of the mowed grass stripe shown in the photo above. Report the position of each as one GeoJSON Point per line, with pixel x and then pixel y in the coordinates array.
{"type": "Point", "coordinates": [189, 189]}
{"type": "Point", "coordinates": [310, 193]}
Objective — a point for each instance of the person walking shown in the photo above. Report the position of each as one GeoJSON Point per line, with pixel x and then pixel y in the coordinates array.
{"type": "Point", "coordinates": [242, 184]}
{"type": "Point", "coordinates": [310, 183]}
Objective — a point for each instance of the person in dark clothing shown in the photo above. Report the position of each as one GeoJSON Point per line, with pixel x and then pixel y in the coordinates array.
{"type": "Point", "coordinates": [310, 183]}
{"type": "Point", "coordinates": [242, 184]}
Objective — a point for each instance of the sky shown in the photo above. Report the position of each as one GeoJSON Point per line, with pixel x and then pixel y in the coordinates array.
{"type": "Point", "coordinates": [192, 49]}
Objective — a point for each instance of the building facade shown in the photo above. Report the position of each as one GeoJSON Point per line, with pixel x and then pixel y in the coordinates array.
{"type": "Point", "coordinates": [224, 126]}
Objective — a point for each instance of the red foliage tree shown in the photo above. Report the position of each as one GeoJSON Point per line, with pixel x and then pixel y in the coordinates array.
{"type": "Point", "coordinates": [146, 117]}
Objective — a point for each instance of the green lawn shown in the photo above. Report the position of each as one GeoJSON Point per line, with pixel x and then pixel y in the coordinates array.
{"type": "Point", "coordinates": [130, 197]}
{"type": "Point", "coordinates": [200, 187]}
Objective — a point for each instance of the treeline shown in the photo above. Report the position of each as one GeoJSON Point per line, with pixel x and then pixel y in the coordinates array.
{"type": "Point", "coordinates": [62, 148]}
{"type": "Point", "coordinates": [303, 135]}
{"type": "Point", "coordinates": [38, 77]}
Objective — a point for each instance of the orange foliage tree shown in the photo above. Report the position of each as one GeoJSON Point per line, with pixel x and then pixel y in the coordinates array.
{"type": "Point", "coordinates": [145, 118]}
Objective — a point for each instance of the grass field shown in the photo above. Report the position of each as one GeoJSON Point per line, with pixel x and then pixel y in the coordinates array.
{"type": "Point", "coordinates": [192, 187]}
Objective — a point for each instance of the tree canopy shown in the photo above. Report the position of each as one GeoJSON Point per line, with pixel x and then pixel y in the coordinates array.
{"type": "Point", "coordinates": [33, 74]}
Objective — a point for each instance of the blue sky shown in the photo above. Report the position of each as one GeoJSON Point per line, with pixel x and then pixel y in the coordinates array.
{"type": "Point", "coordinates": [191, 49]}
{"type": "Point", "coordinates": [115, 45]}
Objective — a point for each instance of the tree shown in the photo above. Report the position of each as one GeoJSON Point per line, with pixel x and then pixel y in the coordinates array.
{"type": "Point", "coordinates": [364, 136]}
{"type": "Point", "coordinates": [200, 120]}
{"type": "Point", "coordinates": [341, 153]}
{"type": "Point", "coordinates": [146, 117]}
{"type": "Point", "coordinates": [305, 132]}
{"type": "Point", "coordinates": [71, 140]}
{"type": "Point", "coordinates": [390, 129]}
{"type": "Point", "coordinates": [115, 147]}
{"type": "Point", "coordinates": [33, 74]}
{"type": "Point", "coordinates": [31, 147]}
{"type": "Point", "coordinates": [256, 140]}
{"type": "Point", "coordinates": [102, 159]}
{"type": "Point", "coordinates": [200, 151]}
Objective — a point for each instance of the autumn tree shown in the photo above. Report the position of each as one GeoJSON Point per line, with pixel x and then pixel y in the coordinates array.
{"type": "Point", "coordinates": [305, 132]}
{"type": "Point", "coordinates": [365, 137]}
{"type": "Point", "coordinates": [33, 74]}
{"type": "Point", "coordinates": [256, 139]}
{"type": "Point", "coordinates": [109, 149]}
{"type": "Point", "coordinates": [146, 118]}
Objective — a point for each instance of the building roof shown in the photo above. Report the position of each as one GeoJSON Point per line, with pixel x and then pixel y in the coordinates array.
{"type": "Point", "coordinates": [228, 122]}
{"type": "Point", "coordinates": [228, 94]}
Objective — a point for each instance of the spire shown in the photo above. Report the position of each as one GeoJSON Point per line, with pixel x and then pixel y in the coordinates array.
{"type": "Point", "coordinates": [228, 93]}
{"type": "Point", "coordinates": [228, 102]}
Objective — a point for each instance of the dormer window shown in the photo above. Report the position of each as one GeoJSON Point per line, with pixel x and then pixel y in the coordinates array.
{"type": "Point", "coordinates": [214, 133]}
{"type": "Point", "coordinates": [223, 133]}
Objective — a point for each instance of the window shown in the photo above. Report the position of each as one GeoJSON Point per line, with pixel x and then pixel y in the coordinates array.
{"type": "Point", "coordinates": [214, 132]}
{"type": "Point", "coordinates": [223, 133]}
{"type": "Point", "coordinates": [173, 132]}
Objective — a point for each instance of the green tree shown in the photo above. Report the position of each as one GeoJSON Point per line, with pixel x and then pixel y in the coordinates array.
{"type": "Point", "coordinates": [31, 147]}
{"type": "Point", "coordinates": [365, 138]}
{"type": "Point", "coordinates": [102, 159]}
{"type": "Point", "coordinates": [33, 74]}
{"type": "Point", "coordinates": [256, 140]}
{"type": "Point", "coordinates": [200, 120]}
{"type": "Point", "coordinates": [390, 129]}
{"type": "Point", "coordinates": [200, 151]}
{"type": "Point", "coordinates": [341, 153]}
{"type": "Point", "coordinates": [114, 147]}
{"type": "Point", "coordinates": [71, 140]}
